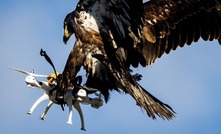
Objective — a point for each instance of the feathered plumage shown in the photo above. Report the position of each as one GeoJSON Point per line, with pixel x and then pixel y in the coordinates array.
{"type": "Point", "coordinates": [113, 35]}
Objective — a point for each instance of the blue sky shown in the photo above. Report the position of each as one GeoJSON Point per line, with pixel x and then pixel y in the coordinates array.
{"type": "Point", "coordinates": [188, 79]}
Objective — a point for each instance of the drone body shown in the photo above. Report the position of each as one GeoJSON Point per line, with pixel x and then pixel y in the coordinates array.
{"type": "Point", "coordinates": [44, 86]}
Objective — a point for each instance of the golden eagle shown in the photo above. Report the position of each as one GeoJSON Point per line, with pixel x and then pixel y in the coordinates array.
{"type": "Point", "coordinates": [113, 35]}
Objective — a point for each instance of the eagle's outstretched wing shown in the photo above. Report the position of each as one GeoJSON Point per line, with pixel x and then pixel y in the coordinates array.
{"type": "Point", "coordinates": [169, 24]}
{"type": "Point", "coordinates": [145, 32]}
{"type": "Point", "coordinates": [113, 35]}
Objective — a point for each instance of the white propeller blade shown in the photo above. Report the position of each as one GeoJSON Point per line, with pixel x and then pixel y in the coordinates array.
{"type": "Point", "coordinates": [28, 73]}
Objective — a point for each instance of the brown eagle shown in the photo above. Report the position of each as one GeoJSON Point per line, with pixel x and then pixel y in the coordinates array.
{"type": "Point", "coordinates": [113, 35]}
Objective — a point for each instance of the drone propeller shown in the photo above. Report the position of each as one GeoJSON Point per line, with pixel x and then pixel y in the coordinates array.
{"type": "Point", "coordinates": [28, 73]}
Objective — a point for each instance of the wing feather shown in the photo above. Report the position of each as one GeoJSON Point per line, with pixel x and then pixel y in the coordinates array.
{"type": "Point", "coordinates": [176, 23]}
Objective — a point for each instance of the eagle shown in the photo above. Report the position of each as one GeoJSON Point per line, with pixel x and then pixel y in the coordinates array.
{"type": "Point", "coordinates": [112, 36]}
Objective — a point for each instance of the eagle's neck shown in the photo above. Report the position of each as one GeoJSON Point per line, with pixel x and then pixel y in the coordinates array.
{"type": "Point", "coordinates": [89, 14]}
{"type": "Point", "coordinates": [88, 21]}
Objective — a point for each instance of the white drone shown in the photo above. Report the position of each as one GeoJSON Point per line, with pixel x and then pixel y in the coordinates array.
{"type": "Point", "coordinates": [82, 96]}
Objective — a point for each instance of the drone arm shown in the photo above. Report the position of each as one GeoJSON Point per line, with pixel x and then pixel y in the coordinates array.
{"type": "Point", "coordinates": [95, 102]}
{"type": "Point", "coordinates": [42, 98]}
{"type": "Point", "coordinates": [46, 110]}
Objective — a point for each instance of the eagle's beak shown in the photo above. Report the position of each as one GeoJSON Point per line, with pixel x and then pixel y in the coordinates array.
{"type": "Point", "coordinates": [67, 34]}
{"type": "Point", "coordinates": [65, 39]}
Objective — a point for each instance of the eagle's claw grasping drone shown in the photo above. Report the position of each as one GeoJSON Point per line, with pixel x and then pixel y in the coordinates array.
{"type": "Point", "coordinates": [80, 96]}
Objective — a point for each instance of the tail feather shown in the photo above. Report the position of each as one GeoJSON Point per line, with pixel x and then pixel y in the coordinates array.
{"type": "Point", "coordinates": [150, 104]}
{"type": "Point", "coordinates": [158, 107]}
{"type": "Point", "coordinates": [144, 99]}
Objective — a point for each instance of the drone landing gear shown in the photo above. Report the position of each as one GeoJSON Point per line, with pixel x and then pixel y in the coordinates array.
{"type": "Point", "coordinates": [46, 110]}
{"type": "Point", "coordinates": [42, 98]}
{"type": "Point", "coordinates": [78, 108]}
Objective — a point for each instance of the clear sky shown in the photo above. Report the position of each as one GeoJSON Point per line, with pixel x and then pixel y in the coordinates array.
{"type": "Point", "coordinates": [188, 79]}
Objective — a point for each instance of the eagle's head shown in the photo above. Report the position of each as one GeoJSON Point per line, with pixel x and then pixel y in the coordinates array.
{"type": "Point", "coordinates": [68, 27]}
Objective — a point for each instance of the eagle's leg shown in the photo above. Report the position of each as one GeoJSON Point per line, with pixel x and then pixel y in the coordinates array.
{"type": "Point", "coordinates": [46, 110]}
{"type": "Point", "coordinates": [42, 98]}
{"type": "Point", "coordinates": [78, 108]}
